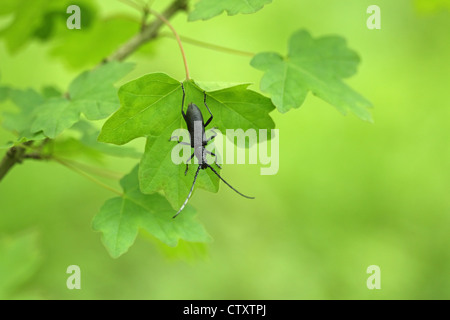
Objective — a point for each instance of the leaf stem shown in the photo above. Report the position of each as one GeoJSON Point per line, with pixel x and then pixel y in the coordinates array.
{"type": "Point", "coordinates": [147, 33]}
{"type": "Point", "coordinates": [100, 172]}
{"type": "Point", "coordinates": [177, 37]}
{"type": "Point", "coordinates": [209, 45]}
{"type": "Point", "coordinates": [16, 154]}
{"type": "Point", "coordinates": [86, 175]}
{"type": "Point", "coordinates": [146, 9]}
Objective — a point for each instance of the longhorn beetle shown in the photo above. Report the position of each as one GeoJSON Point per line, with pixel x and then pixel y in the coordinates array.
{"type": "Point", "coordinates": [196, 127]}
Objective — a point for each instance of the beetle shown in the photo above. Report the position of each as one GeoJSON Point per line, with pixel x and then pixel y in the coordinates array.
{"type": "Point", "coordinates": [196, 127]}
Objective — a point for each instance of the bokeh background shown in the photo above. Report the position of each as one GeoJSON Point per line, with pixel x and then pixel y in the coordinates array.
{"type": "Point", "coordinates": [348, 193]}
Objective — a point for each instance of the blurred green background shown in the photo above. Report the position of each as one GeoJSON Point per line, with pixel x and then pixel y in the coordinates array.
{"type": "Point", "coordinates": [348, 193]}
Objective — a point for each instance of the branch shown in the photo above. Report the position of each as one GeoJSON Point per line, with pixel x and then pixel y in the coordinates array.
{"type": "Point", "coordinates": [148, 33]}
{"type": "Point", "coordinates": [13, 155]}
{"type": "Point", "coordinates": [17, 154]}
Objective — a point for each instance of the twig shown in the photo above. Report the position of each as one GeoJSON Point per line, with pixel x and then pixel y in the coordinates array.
{"type": "Point", "coordinates": [148, 33]}
{"type": "Point", "coordinates": [13, 156]}
{"type": "Point", "coordinates": [100, 172]}
{"type": "Point", "coordinates": [88, 176]}
{"type": "Point", "coordinates": [146, 9]}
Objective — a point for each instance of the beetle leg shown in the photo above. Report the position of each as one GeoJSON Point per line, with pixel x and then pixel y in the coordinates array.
{"type": "Point", "coordinates": [204, 101]}
{"type": "Point", "coordinates": [212, 137]}
{"type": "Point", "coordinates": [215, 157]}
{"type": "Point", "coordinates": [187, 165]}
{"type": "Point", "coordinates": [182, 103]}
{"type": "Point", "coordinates": [178, 140]}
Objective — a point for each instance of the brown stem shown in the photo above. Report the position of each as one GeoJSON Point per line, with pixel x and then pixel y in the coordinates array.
{"type": "Point", "coordinates": [13, 156]}
{"type": "Point", "coordinates": [177, 37]}
{"type": "Point", "coordinates": [148, 33]}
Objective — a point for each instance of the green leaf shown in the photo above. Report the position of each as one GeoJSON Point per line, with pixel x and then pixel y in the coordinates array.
{"type": "Point", "coordinates": [19, 260]}
{"type": "Point", "coordinates": [75, 47]}
{"type": "Point", "coordinates": [40, 19]}
{"type": "Point", "coordinates": [28, 101]}
{"type": "Point", "coordinates": [4, 93]}
{"type": "Point", "coordinates": [207, 9]}
{"type": "Point", "coordinates": [216, 85]}
{"type": "Point", "coordinates": [316, 65]}
{"type": "Point", "coordinates": [51, 92]}
{"type": "Point", "coordinates": [92, 93]}
{"type": "Point", "coordinates": [55, 115]}
{"type": "Point", "coordinates": [88, 138]}
{"type": "Point", "coordinates": [28, 15]}
{"type": "Point", "coordinates": [71, 148]}
{"type": "Point", "coordinates": [151, 107]}
{"type": "Point", "coordinates": [54, 19]}
{"type": "Point", "coordinates": [120, 219]}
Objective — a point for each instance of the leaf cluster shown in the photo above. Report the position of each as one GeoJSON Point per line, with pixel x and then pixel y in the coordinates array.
{"type": "Point", "coordinates": [52, 123]}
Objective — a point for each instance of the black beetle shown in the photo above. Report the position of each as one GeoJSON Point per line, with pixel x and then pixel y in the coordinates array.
{"type": "Point", "coordinates": [196, 127]}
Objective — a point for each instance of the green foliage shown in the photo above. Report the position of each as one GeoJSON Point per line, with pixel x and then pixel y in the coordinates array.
{"type": "Point", "coordinates": [19, 260]}
{"type": "Point", "coordinates": [55, 17]}
{"type": "Point", "coordinates": [28, 101]}
{"type": "Point", "coordinates": [315, 65]}
{"type": "Point", "coordinates": [347, 194]}
{"type": "Point", "coordinates": [75, 48]}
{"type": "Point", "coordinates": [81, 142]}
{"type": "Point", "coordinates": [207, 9]}
{"type": "Point", "coordinates": [120, 219]}
{"type": "Point", "coordinates": [46, 21]}
{"type": "Point", "coordinates": [91, 93]}
{"type": "Point", "coordinates": [28, 15]}
{"type": "Point", "coordinates": [88, 138]}
{"type": "Point", "coordinates": [39, 19]}
{"type": "Point", "coordinates": [51, 92]}
{"type": "Point", "coordinates": [151, 108]}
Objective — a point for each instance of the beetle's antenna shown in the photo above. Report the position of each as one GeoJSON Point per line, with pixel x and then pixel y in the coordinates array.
{"type": "Point", "coordinates": [190, 193]}
{"type": "Point", "coordinates": [212, 169]}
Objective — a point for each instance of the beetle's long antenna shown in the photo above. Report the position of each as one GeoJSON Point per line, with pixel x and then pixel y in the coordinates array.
{"type": "Point", "coordinates": [212, 169]}
{"type": "Point", "coordinates": [190, 193]}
